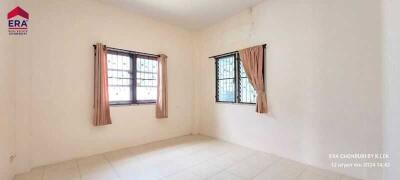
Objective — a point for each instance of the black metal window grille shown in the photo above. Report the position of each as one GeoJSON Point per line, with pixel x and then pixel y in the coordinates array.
{"type": "Point", "coordinates": [247, 94]}
{"type": "Point", "coordinates": [226, 78]}
{"type": "Point", "coordinates": [119, 77]}
{"type": "Point", "coordinates": [146, 79]}
{"type": "Point", "coordinates": [132, 78]}
{"type": "Point", "coordinates": [232, 84]}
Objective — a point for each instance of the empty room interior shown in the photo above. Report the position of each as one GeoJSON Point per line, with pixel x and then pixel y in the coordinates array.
{"type": "Point", "coordinates": [199, 90]}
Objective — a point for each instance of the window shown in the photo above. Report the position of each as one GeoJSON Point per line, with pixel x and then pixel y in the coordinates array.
{"type": "Point", "coordinates": [232, 84]}
{"type": "Point", "coordinates": [226, 79]}
{"type": "Point", "coordinates": [146, 79]}
{"type": "Point", "coordinates": [119, 77]}
{"type": "Point", "coordinates": [132, 78]}
{"type": "Point", "coordinates": [247, 94]}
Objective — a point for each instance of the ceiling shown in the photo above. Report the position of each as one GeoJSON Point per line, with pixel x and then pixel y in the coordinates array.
{"type": "Point", "coordinates": [190, 14]}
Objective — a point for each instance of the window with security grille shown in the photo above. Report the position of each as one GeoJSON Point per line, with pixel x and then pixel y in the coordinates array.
{"type": "Point", "coordinates": [226, 79]}
{"type": "Point", "coordinates": [132, 78]}
{"type": "Point", "coordinates": [146, 79]}
{"type": "Point", "coordinates": [247, 94]}
{"type": "Point", "coordinates": [232, 84]}
{"type": "Point", "coordinates": [119, 77]}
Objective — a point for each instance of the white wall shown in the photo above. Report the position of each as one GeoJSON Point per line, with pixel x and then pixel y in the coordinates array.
{"type": "Point", "coordinates": [323, 76]}
{"type": "Point", "coordinates": [392, 86]}
{"type": "Point", "coordinates": [7, 95]}
{"type": "Point", "coordinates": [55, 81]}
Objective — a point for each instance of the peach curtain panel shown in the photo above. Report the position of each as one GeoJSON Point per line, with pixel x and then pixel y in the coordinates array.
{"type": "Point", "coordinates": [253, 63]}
{"type": "Point", "coordinates": [101, 106]}
{"type": "Point", "coordinates": [162, 88]}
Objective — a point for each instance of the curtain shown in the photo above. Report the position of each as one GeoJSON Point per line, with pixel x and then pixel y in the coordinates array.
{"type": "Point", "coordinates": [253, 63]}
{"type": "Point", "coordinates": [101, 106]}
{"type": "Point", "coordinates": [162, 91]}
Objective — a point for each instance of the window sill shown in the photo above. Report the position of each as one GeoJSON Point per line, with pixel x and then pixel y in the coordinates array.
{"type": "Point", "coordinates": [139, 104]}
{"type": "Point", "coordinates": [223, 102]}
{"type": "Point", "coordinates": [235, 103]}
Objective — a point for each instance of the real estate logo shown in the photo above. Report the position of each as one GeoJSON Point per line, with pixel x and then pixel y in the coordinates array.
{"type": "Point", "coordinates": [18, 21]}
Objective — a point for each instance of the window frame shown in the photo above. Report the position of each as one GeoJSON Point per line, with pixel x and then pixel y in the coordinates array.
{"type": "Point", "coordinates": [133, 58]}
{"type": "Point", "coordinates": [237, 77]}
{"type": "Point", "coordinates": [217, 79]}
{"type": "Point", "coordinates": [112, 103]}
{"type": "Point", "coordinates": [135, 81]}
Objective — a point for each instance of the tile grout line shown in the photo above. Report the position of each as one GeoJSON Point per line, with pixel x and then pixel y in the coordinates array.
{"type": "Point", "coordinates": [233, 164]}
{"type": "Point", "coordinates": [112, 166]}
{"type": "Point", "coordinates": [301, 173]}
{"type": "Point", "coordinates": [184, 169]}
{"type": "Point", "coordinates": [79, 169]}
{"type": "Point", "coordinates": [202, 149]}
{"type": "Point", "coordinates": [223, 169]}
{"type": "Point", "coordinates": [268, 167]}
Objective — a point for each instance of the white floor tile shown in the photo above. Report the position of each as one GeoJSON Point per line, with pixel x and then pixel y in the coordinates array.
{"type": "Point", "coordinates": [225, 176]}
{"type": "Point", "coordinates": [244, 171]}
{"type": "Point", "coordinates": [182, 158]}
{"type": "Point", "coordinates": [282, 170]}
{"type": "Point", "coordinates": [222, 162]}
{"type": "Point", "coordinates": [206, 169]}
{"type": "Point", "coordinates": [97, 168]}
{"type": "Point", "coordinates": [260, 160]}
{"type": "Point", "coordinates": [174, 166]}
{"type": "Point", "coordinates": [185, 175]}
{"type": "Point", "coordinates": [237, 153]}
{"type": "Point", "coordinates": [348, 178]}
{"type": "Point", "coordinates": [253, 165]}
{"type": "Point", "coordinates": [318, 174]}
{"type": "Point", "coordinates": [139, 173]}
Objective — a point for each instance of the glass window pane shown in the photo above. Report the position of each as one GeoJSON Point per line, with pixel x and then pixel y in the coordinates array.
{"type": "Point", "coordinates": [226, 67]}
{"type": "Point", "coordinates": [146, 83]}
{"type": "Point", "coordinates": [149, 76]}
{"type": "Point", "coordinates": [242, 72]}
{"type": "Point", "coordinates": [226, 90]}
{"type": "Point", "coordinates": [119, 93]}
{"type": "Point", "coordinates": [247, 92]}
{"type": "Point", "coordinates": [118, 61]}
{"type": "Point", "coordinates": [146, 93]}
{"type": "Point", "coordinates": [146, 65]}
{"type": "Point", "coordinates": [146, 79]}
{"type": "Point", "coordinates": [226, 79]}
{"type": "Point", "coordinates": [119, 77]}
{"type": "Point", "coordinates": [124, 63]}
{"type": "Point", "coordinates": [119, 82]}
{"type": "Point", "coordinates": [119, 74]}
{"type": "Point", "coordinates": [112, 62]}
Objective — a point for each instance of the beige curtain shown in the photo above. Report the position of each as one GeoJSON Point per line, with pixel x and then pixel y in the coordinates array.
{"type": "Point", "coordinates": [253, 63]}
{"type": "Point", "coordinates": [162, 88]}
{"type": "Point", "coordinates": [101, 105]}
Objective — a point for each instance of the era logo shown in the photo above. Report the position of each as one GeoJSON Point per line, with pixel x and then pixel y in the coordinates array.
{"type": "Point", "coordinates": [18, 21]}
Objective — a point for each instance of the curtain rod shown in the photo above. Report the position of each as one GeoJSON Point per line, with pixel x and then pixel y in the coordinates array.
{"type": "Point", "coordinates": [225, 54]}
{"type": "Point", "coordinates": [129, 51]}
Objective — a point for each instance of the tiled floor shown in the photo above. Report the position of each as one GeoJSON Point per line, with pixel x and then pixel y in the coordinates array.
{"type": "Point", "coordinates": [183, 158]}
